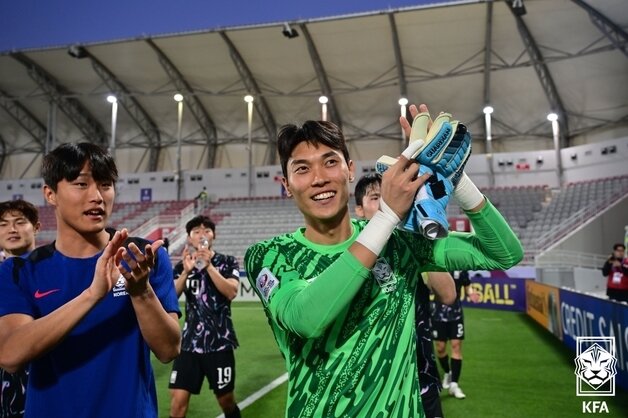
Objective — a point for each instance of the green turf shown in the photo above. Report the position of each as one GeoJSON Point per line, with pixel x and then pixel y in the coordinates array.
{"type": "Point", "coordinates": [258, 362]}
{"type": "Point", "coordinates": [512, 368]}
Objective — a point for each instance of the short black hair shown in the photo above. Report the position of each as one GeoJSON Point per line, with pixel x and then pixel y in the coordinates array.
{"type": "Point", "coordinates": [198, 221]}
{"type": "Point", "coordinates": [619, 244]}
{"type": "Point", "coordinates": [313, 132]}
{"type": "Point", "coordinates": [66, 161]}
{"type": "Point", "coordinates": [365, 183]}
{"type": "Point", "coordinates": [27, 209]}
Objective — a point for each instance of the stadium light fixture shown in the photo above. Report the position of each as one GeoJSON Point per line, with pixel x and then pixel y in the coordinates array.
{"type": "Point", "coordinates": [114, 122]}
{"type": "Point", "coordinates": [488, 123]}
{"type": "Point", "coordinates": [323, 101]}
{"type": "Point", "coordinates": [403, 102]}
{"type": "Point", "coordinates": [289, 32]}
{"type": "Point", "coordinates": [249, 104]}
{"type": "Point", "coordinates": [179, 99]}
{"type": "Point", "coordinates": [553, 118]}
{"type": "Point", "coordinates": [488, 111]}
{"type": "Point", "coordinates": [77, 51]}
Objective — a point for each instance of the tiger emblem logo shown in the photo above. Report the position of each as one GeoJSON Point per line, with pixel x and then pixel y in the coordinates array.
{"type": "Point", "coordinates": [384, 276]}
{"type": "Point", "coordinates": [596, 366]}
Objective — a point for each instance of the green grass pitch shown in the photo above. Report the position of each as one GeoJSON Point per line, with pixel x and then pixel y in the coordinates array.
{"type": "Point", "coordinates": [512, 368]}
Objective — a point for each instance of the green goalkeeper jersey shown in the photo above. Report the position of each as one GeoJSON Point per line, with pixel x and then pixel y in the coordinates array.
{"type": "Point", "coordinates": [347, 332]}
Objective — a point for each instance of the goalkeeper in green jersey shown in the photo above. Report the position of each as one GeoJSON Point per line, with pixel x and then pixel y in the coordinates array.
{"type": "Point", "coordinates": [339, 293]}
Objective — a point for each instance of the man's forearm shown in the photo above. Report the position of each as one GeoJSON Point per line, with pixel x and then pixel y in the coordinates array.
{"type": "Point", "coordinates": [179, 283]}
{"type": "Point", "coordinates": [28, 338]}
{"type": "Point", "coordinates": [227, 286]}
{"type": "Point", "coordinates": [159, 328]}
{"type": "Point", "coordinates": [443, 286]}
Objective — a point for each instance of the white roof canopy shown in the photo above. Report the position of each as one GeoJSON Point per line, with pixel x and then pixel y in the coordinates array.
{"type": "Point", "coordinates": [562, 56]}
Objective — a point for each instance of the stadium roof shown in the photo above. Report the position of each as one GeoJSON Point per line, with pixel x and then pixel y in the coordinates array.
{"type": "Point", "coordinates": [569, 57]}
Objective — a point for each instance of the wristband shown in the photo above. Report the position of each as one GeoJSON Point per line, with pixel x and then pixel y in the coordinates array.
{"type": "Point", "coordinates": [467, 194]}
{"type": "Point", "coordinates": [375, 234]}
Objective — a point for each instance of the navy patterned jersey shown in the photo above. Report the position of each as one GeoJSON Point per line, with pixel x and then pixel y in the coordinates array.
{"type": "Point", "coordinates": [208, 326]}
{"type": "Point", "coordinates": [453, 312]}
{"type": "Point", "coordinates": [12, 393]}
{"type": "Point", "coordinates": [426, 361]}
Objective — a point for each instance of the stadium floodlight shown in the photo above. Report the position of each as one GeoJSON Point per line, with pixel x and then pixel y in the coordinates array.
{"type": "Point", "coordinates": [289, 32]}
{"type": "Point", "coordinates": [114, 122]}
{"type": "Point", "coordinates": [553, 118]}
{"type": "Point", "coordinates": [249, 105]}
{"type": "Point", "coordinates": [403, 102]}
{"type": "Point", "coordinates": [323, 101]}
{"type": "Point", "coordinates": [179, 99]}
{"type": "Point", "coordinates": [77, 51]}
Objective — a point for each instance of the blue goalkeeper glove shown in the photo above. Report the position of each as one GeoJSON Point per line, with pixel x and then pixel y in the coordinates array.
{"type": "Point", "coordinates": [447, 144]}
{"type": "Point", "coordinates": [428, 215]}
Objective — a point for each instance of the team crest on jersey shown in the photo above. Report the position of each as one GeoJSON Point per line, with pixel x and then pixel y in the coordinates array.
{"type": "Point", "coordinates": [265, 283]}
{"type": "Point", "coordinates": [120, 288]}
{"type": "Point", "coordinates": [384, 275]}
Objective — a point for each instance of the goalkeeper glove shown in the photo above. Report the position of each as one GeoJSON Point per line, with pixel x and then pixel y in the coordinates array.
{"type": "Point", "coordinates": [447, 144]}
{"type": "Point", "coordinates": [428, 215]}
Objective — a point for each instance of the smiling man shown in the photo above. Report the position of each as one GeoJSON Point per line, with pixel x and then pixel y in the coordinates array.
{"type": "Point", "coordinates": [86, 310]}
{"type": "Point", "coordinates": [339, 293]}
{"type": "Point", "coordinates": [19, 224]}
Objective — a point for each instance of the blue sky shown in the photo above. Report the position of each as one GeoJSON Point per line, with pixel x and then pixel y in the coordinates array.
{"type": "Point", "coordinates": [47, 23]}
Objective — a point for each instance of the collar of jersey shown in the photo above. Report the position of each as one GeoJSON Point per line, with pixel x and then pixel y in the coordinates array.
{"type": "Point", "coordinates": [329, 249]}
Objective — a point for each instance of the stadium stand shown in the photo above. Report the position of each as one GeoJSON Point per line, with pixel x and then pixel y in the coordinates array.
{"type": "Point", "coordinates": [540, 216]}
{"type": "Point", "coordinates": [534, 212]}
{"type": "Point", "coordinates": [125, 215]}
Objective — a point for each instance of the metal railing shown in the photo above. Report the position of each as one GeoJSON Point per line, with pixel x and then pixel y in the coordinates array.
{"type": "Point", "coordinates": [564, 258]}
{"type": "Point", "coordinates": [578, 219]}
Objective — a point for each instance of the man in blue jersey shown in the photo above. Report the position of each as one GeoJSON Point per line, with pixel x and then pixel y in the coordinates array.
{"type": "Point", "coordinates": [210, 281]}
{"type": "Point", "coordinates": [367, 196]}
{"type": "Point", "coordinates": [19, 223]}
{"type": "Point", "coordinates": [86, 310]}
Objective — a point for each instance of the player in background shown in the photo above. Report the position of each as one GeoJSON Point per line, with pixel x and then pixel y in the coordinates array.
{"type": "Point", "coordinates": [210, 281]}
{"type": "Point", "coordinates": [367, 195]}
{"type": "Point", "coordinates": [339, 293]}
{"type": "Point", "coordinates": [448, 325]}
{"type": "Point", "coordinates": [87, 310]}
{"type": "Point", "coordinates": [19, 224]}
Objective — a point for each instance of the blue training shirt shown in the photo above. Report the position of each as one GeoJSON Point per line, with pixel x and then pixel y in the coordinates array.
{"type": "Point", "coordinates": [102, 368]}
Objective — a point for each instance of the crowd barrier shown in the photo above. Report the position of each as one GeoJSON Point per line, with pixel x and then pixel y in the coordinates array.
{"type": "Point", "coordinates": [568, 314]}
{"type": "Point", "coordinates": [565, 313]}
